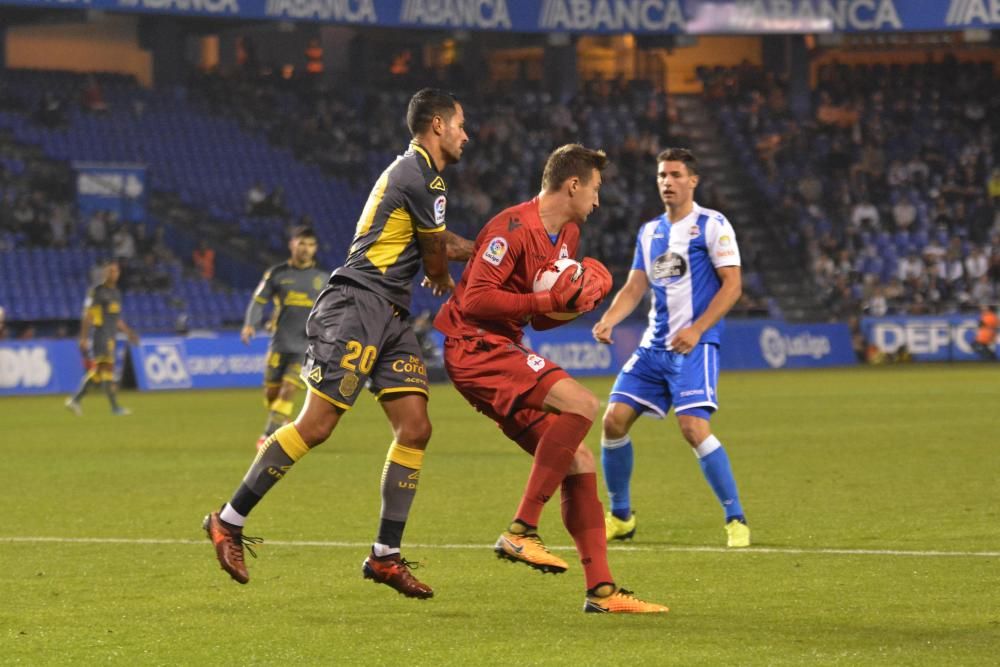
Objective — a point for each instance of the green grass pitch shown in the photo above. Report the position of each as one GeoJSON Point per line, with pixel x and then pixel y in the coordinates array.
{"type": "Point", "coordinates": [872, 494]}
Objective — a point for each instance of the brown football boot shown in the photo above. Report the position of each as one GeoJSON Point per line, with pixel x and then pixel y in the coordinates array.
{"type": "Point", "coordinates": [394, 571]}
{"type": "Point", "coordinates": [229, 542]}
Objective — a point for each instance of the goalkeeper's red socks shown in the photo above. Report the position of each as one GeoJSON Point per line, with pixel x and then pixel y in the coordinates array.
{"type": "Point", "coordinates": [583, 517]}
{"type": "Point", "coordinates": [553, 458]}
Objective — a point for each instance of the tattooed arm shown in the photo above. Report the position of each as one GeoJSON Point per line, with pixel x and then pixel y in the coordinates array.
{"type": "Point", "coordinates": [459, 249]}
{"type": "Point", "coordinates": [435, 250]}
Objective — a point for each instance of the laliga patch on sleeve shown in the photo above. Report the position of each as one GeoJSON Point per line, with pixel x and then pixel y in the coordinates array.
{"type": "Point", "coordinates": [495, 250]}
{"type": "Point", "coordinates": [439, 206]}
{"type": "Point", "coordinates": [724, 247]}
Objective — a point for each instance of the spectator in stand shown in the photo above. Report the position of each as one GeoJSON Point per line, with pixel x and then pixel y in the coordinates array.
{"type": "Point", "coordinates": [256, 198]}
{"type": "Point", "coordinates": [23, 215]}
{"type": "Point", "coordinates": [933, 250]}
{"type": "Point", "coordinates": [92, 97]}
{"type": "Point", "coordinates": [911, 269]}
{"type": "Point", "coordinates": [811, 188]}
{"type": "Point", "coordinates": [864, 215]}
{"type": "Point", "coordinates": [876, 304]}
{"type": "Point", "coordinates": [204, 260]}
{"type": "Point", "coordinates": [97, 229]}
{"type": "Point", "coordinates": [983, 291]}
{"type": "Point", "coordinates": [904, 213]}
{"type": "Point", "coordinates": [160, 248]}
{"type": "Point", "coordinates": [60, 220]}
{"type": "Point", "coordinates": [123, 244]}
{"type": "Point", "coordinates": [50, 111]}
{"type": "Point", "coordinates": [274, 203]}
{"type": "Point", "coordinates": [871, 166]}
{"type": "Point", "coordinates": [151, 276]}
{"type": "Point", "coordinates": [143, 241]}
{"type": "Point", "coordinates": [994, 270]}
{"type": "Point", "coordinates": [898, 175]}
{"type": "Point", "coordinates": [976, 264]}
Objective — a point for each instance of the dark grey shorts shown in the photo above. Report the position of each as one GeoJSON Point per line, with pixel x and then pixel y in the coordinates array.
{"type": "Point", "coordinates": [102, 347]}
{"type": "Point", "coordinates": [356, 336]}
{"type": "Point", "coordinates": [282, 366]}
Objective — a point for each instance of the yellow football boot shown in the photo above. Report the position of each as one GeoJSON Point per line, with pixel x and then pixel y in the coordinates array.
{"type": "Point", "coordinates": [616, 529]}
{"type": "Point", "coordinates": [737, 534]}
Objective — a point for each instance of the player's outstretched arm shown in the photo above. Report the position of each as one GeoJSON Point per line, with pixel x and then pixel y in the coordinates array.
{"type": "Point", "coordinates": [625, 301]}
{"type": "Point", "coordinates": [434, 249]}
{"type": "Point", "coordinates": [86, 322]}
{"type": "Point", "coordinates": [459, 249]}
{"type": "Point", "coordinates": [255, 309]}
{"type": "Point", "coordinates": [123, 326]}
{"type": "Point", "coordinates": [727, 296]}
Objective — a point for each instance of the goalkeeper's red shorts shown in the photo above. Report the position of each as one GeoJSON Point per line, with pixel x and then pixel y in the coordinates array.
{"type": "Point", "coordinates": [496, 375]}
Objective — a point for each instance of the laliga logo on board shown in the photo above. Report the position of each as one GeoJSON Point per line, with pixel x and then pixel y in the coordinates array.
{"type": "Point", "coordinates": [777, 348]}
{"type": "Point", "coordinates": [24, 367]}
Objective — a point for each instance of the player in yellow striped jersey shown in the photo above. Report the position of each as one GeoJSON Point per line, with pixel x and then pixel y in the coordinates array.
{"type": "Point", "coordinates": [360, 334]}
{"type": "Point", "coordinates": [293, 287]}
{"type": "Point", "coordinates": [99, 325]}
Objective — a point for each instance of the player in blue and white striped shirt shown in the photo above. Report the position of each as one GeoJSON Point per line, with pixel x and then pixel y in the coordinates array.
{"type": "Point", "coordinates": [689, 261]}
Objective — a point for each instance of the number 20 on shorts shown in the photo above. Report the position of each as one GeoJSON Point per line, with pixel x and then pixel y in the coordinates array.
{"type": "Point", "coordinates": [355, 350]}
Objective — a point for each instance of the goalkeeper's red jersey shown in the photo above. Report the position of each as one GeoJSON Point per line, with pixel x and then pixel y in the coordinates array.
{"type": "Point", "coordinates": [494, 295]}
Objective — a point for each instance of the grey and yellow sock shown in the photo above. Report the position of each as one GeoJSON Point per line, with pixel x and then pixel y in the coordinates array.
{"type": "Point", "coordinates": [274, 459]}
{"type": "Point", "coordinates": [400, 478]}
{"type": "Point", "coordinates": [108, 382]}
{"type": "Point", "coordinates": [88, 379]}
{"type": "Point", "coordinates": [279, 413]}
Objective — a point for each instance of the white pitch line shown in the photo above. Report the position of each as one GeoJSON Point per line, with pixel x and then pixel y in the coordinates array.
{"type": "Point", "coordinates": [611, 547]}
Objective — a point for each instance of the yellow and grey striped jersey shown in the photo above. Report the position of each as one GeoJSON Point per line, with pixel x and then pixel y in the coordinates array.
{"type": "Point", "coordinates": [293, 291]}
{"type": "Point", "coordinates": [409, 198]}
{"type": "Point", "coordinates": [104, 305]}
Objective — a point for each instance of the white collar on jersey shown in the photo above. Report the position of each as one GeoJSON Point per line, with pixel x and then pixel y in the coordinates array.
{"type": "Point", "coordinates": [696, 210]}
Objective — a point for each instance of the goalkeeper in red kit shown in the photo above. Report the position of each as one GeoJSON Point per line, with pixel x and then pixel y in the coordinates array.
{"type": "Point", "coordinates": [535, 402]}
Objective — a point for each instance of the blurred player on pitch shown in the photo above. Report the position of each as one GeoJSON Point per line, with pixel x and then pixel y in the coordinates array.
{"type": "Point", "coordinates": [293, 286]}
{"type": "Point", "coordinates": [359, 330]}
{"type": "Point", "coordinates": [689, 259]}
{"type": "Point", "coordinates": [535, 402]}
{"type": "Point", "coordinates": [101, 322]}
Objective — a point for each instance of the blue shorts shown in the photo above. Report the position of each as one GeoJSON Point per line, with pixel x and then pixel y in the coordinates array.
{"type": "Point", "coordinates": [653, 380]}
